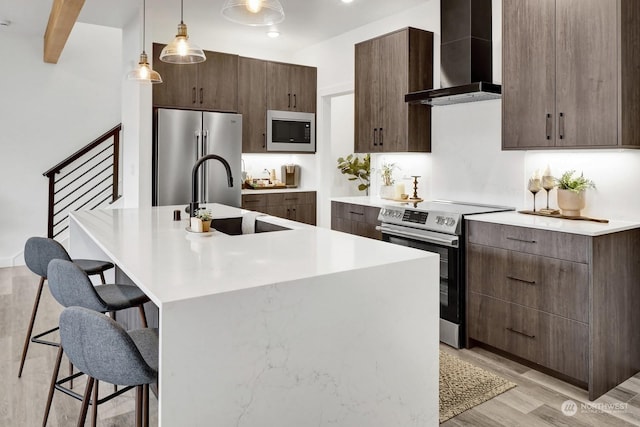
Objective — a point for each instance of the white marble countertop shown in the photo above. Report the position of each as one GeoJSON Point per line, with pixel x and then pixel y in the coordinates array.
{"type": "Point", "coordinates": [587, 228]}
{"type": "Point", "coordinates": [276, 190]}
{"type": "Point", "coordinates": [373, 201]}
{"type": "Point", "coordinates": [169, 264]}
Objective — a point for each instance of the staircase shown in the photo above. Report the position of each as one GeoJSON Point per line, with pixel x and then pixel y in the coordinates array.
{"type": "Point", "coordinates": [87, 179]}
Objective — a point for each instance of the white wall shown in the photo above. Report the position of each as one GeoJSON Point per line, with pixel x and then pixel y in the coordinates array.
{"type": "Point", "coordinates": [47, 112]}
{"type": "Point", "coordinates": [615, 173]}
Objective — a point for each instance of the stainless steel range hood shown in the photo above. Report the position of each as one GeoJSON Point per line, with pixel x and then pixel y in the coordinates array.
{"type": "Point", "coordinates": [465, 56]}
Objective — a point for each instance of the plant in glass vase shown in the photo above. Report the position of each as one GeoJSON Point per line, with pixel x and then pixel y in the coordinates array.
{"type": "Point", "coordinates": [386, 189]}
{"type": "Point", "coordinates": [357, 170]}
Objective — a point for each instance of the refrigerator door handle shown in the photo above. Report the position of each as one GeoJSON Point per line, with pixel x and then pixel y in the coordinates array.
{"type": "Point", "coordinates": [198, 151]}
{"type": "Point", "coordinates": [205, 168]}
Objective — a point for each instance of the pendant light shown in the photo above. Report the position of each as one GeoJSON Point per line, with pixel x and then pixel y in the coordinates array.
{"type": "Point", "coordinates": [253, 12]}
{"type": "Point", "coordinates": [180, 50]}
{"type": "Point", "coordinates": [143, 72]}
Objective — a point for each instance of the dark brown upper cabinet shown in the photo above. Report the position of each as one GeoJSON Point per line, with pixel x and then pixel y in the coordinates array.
{"type": "Point", "coordinates": [387, 68]}
{"type": "Point", "coordinates": [291, 87]}
{"type": "Point", "coordinates": [569, 74]}
{"type": "Point", "coordinates": [211, 85]}
{"type": "Point", "coordinates": [252, 104]}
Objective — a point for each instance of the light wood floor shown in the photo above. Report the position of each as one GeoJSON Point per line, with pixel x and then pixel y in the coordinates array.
{"type": "Point", "coordinates": [536, 401]}
{"type": "Point", "coordinates": [22, 400]}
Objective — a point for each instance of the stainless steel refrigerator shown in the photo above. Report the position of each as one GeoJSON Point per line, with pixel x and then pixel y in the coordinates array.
{"type": "Point", "coordinates": [180, 138]}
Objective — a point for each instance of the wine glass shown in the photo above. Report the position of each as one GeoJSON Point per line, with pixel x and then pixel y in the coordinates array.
{"type": "Point", "coordinates": [534, 186]}
{"type": "Point", "coordinates": [548, 182]}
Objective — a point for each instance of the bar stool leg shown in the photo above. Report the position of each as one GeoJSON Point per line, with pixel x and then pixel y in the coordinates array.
{"type": "Point", "coordinates": [85, 402]}
{"type": "Point", "coordinates": [30, 328]}
{"type": "Point", "coordinates": [143, 316]}
{"type": "Point", "coordinates": [94, 408]}
{"type": "Point", "coordinates": [54, 378]}
{"type": "Point", "coordinates": [139, 406]}
{"type": "Point", "coordinates": [145, 404]}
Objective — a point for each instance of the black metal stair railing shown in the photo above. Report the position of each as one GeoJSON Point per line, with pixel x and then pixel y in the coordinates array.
{"type": "Point", "coordinates": [85, 180]}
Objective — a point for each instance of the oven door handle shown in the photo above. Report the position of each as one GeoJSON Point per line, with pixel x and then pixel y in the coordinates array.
{"type": "Point", "coordinates": [450, 243]}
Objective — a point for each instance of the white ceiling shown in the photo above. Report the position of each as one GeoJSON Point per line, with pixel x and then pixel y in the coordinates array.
{"type": "Point", "coordinates": [306, 21]}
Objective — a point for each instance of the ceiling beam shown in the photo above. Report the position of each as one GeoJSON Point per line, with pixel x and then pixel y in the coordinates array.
{"type": "Point", "coordinates": [63, 16]}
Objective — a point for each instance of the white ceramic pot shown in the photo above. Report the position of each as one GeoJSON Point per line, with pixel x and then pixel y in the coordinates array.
{"type": "Point", "coordinates": [387, 191]}
{"type": "Point", "coordinates": [570, 202]}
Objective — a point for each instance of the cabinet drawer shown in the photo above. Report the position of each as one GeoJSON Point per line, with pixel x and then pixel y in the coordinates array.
{"type": "Point", "coordinates": [290, 199]}
{"type": "Point", "coordinates": [547, 284]}
{"type": "Point", "coordinates": [551, 341]}
{"type": "Point", "coordinates": [349, 211]}
{"type": "Point", "coordinates": [572, 247]}
{"type": "Point", "coordinates": [252, 201]}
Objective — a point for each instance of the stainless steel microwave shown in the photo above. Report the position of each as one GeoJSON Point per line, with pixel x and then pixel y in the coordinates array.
{"type": "Point", "coordinates": [291, 131]}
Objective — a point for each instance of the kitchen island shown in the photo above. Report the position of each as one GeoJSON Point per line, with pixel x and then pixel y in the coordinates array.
{"type": "Point", "coordinates": [300, 327]}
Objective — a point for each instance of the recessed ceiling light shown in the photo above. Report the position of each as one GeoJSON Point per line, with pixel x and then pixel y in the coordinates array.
{"type": "Point", "coordinates": [347, 1]}
{"type": "Point", "coordinates": [273, 33]}
{"type": "Point", "coordinates": [4, 23]}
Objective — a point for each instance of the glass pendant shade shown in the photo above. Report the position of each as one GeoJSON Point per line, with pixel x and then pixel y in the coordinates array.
{"type": "Point", "coordinates": [181, 51]}
{"type": "Point", "coordinates": [143, 72]}
{"type": "Point", "coordinates": [253, 12]}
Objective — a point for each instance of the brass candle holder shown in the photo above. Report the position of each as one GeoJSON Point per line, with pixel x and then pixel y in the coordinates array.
{"type": "Point", "coordinates": [415, 197]}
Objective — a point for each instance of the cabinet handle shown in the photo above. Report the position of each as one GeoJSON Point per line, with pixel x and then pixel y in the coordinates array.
{"type": "Point", "coordinates": [515, 239]}
{"type": "Point", "coordinates": [561, 125]}
{"type": "Point", "coordinates": [264, 140]}
{"type": "Point", "coordinates": [294, 213]}
{"type": "Point", "coordinates": [295, 101]}
{"type": "Point", "coordinates": [375, 136]}
{"type": "Point", "coordinates": [528, 282]}
{"type": "Point", "coordinates": [548, 125]}
{"type": "Point", "coordinates": [381, 138]}
{"type": "Point", "coordinates": [292, 198]}
{"type": "Point", "coordinates": [356, 213]}
{"type": "Point", "coordinates": [289, 95]}
{"type": "Point", "coordinates": [193, 95]}
{"type": "Point", "coordinates": [201, 93]}
{"type": "Point", "coordinates": [288, 213]}
{"type": "Point", "coordinates": [520, 333]}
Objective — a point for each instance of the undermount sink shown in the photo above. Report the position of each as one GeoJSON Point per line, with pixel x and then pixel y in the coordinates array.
{"type": "Point", "coordinates": [233, 226]}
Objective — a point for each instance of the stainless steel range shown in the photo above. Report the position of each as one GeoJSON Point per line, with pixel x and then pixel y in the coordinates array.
{"type": "Point", "coordinates": [438, 226]}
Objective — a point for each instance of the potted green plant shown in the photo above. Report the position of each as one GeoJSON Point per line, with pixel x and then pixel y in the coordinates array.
{"type": "Point", "coordinates": [571, 191]}
{"type": "Point", "coordinates": [387, 190]}
{"type": "Point", "coordinates": [357, 170]}
{"type": "Point", "coordinates": [205, 216]}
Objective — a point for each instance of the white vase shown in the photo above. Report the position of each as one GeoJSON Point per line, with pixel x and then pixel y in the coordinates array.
{"type": "Point", "coordinates": [387, 191]}
{"type": "Point", "coordinates": [570, 202]}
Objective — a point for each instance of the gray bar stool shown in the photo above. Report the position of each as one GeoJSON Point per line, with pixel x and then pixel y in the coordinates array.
{"type": "Point", "coordinates": [71, 286]}
{"type": "Point", "coordinates": [103, 350]}
{"type": "Point", "coordinates": [38, 251]}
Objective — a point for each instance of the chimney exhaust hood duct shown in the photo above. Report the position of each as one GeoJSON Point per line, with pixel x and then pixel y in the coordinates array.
{"type": "Point", "coordinates": [465, 56]}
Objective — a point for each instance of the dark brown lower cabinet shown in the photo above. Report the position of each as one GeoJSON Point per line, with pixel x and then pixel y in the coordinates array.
{"type": "Point", "coordinates": [296, 206]}
{"type": "Point", "coordinates": [355, 219]}
{"type": "Point", "coordinates": [567, 303]}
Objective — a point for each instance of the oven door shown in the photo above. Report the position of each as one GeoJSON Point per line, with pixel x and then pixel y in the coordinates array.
{"type": "Point", "coordinates": [451, 292]}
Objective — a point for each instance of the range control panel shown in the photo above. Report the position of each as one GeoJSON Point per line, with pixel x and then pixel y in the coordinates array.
{"type": "Point", "coordinates": [445, 222]}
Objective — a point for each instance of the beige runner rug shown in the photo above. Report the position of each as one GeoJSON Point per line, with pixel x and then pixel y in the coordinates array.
{"type": "Point", "coordinates": [463, 386]}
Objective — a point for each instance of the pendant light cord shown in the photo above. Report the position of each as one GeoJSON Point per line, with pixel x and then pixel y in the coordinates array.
{"type": "Point", "coordinates": [144, 12]}
{"type": "Point", "coordinates": [181, 11]}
